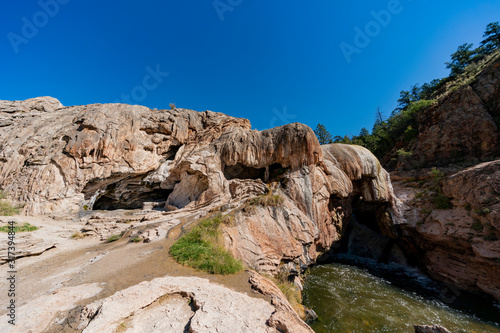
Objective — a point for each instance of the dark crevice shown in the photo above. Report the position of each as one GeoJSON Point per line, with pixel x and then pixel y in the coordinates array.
{"type": "Point", "coordinates": [170, 154]}
{"type": "Point", "coordinates": [129, 200]}
{"type": "Point", "coordinates": [241, 171]}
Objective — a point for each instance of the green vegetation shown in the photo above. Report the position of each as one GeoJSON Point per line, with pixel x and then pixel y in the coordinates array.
{"type": "Point", "coordinates": [492, 38]}
{"type": "Point", "coordinates": [267, 200]}
{"type": "Point", "coordinates": [437, 177]}
{"type": "Point", "coordinates": [113, 238]}
{"type": "Point", "coordinates": [324, 137]}
{"type": "Point", "coordinates": [6, 209]}
{"type": "Point", "coordinates": [402, 127]}
{"type": "Point", "coordinates": [482, 212]}
{"type": "Point", "coordinates": [136, 239]}
{"type": "Point", "coordinates": [172, 106]}
{"type": "Point", "coordinates": [202, 248]}
{"type": "Point", "coordinates": [19, 228]}
{"type": "Point", "coordinates": [441, 201]}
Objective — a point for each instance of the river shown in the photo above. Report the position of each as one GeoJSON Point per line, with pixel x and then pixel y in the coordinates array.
{"type": "Point", "coordinates": [349, 298]}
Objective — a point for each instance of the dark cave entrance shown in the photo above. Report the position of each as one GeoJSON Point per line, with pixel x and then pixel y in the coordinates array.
{"type": "Point", "coordinates": [131, 200]}
{"type": "Point", "coordinates": [124, 192]}
{"type": "Point", "coordinates": [241, 171]}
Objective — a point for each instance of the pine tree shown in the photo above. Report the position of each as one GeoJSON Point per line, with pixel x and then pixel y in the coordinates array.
{"type": "Point", "coordinates": [492, 40]}
{"type": "Point", "coordinates": [460, 59]}
{"type": "Point", "coordinates": [324, 137]}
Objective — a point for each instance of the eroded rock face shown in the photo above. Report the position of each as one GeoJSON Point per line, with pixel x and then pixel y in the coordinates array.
{"type": "Point", "coordinates": [69, 158]}
{"type": "Point", "coordinates": [317, 204]}
{"type": "Point", "coordinates": [40, 313]}
{"type": "Point", "coordinates": [165, 304]}
{"type": "Point", "coordinates": [460, 245]}
{"type": "Point", "coordinates": [115, 156]}
{"type": "Point", "coordinates": [461, 126]}
{"type": "Point", "coordinates": [109, 156]}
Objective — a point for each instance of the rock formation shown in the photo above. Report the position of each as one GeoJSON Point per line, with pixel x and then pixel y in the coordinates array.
{"type": "Point", "coordinates": [289, 197]}
{"type": "Point", "coordinates": [60, 160]}
{"type": "Point", "coordinates": [430, 329]}
{"type": "Point", "coordinates": [181, 304]}
{"type": "Point", "coordinates": [463, 126]}
{"type": "Point", "coordinates": [460, 245]}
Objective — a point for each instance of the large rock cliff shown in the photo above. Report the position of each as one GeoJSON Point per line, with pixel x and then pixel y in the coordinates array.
{"type": "Point", "coordinates": [289, 199]}
{"type": "Point", "coordinates": [461, 127]}
{"type": "Point", "coordinates": [60, 160]}
{"type": "Point", "coordinates": [460, 244]}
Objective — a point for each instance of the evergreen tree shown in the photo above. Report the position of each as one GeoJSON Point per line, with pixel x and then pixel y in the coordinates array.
{"type": "Point", "coordinates": [492, 40]}
{"type": "Point", "coordinates": [324, 137]}
{"type": "Point", "coordinates": [460, 59]}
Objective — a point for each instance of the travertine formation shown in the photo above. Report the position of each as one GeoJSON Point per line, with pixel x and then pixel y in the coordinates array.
{"type": "Point", "coordinates": [61, 160]}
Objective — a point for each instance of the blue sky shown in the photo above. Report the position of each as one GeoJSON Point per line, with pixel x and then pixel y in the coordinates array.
{"type": "Point", "coordinates": [273, 62]}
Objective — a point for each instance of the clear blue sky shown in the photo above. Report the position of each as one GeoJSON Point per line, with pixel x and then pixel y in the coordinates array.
{"type": "Point", "coordinates": [272, 62]}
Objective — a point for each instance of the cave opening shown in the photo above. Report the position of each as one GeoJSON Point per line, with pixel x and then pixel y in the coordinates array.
{"type": "Point", "coordinates": [366, 213]}
{"type": "Point", "coordinates": [241, 171]}
{"type": "Point", "coordinates": [274, 171]}
{"type": "Point", "coordinates": [131, 200]}
{"type": "Point", "coordinates": [170, 154]}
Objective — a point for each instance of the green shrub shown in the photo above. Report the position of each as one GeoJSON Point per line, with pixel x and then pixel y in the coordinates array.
{"type": "Point", "coordinates": [482, 212]}
{"type": "Point", "coordinates": [410, 133]}
{"type": "Point", "coordinates": [403, 153]}
{"type": "Point", "coordinates": [442, 202]}
{"type": "Point", "coordinates": [136, 239]}
{"type": "Point", "coordinates": [19, 228]}
{"type": "Point", "coordinates": [437, 175]}
{"type": "Point", "coordinates": [292, 294]}
{"type": "Point", "coordinates": [202, 248]}
{"type": "Point", "coordinates": [113, 238]}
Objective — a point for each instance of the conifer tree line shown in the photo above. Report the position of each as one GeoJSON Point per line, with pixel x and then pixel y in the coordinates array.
{"type": "Point", "coordinates": [402, 123]}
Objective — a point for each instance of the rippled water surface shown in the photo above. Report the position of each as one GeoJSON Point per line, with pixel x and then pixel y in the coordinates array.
{"type": "Point", "coordinates": [349, 299]}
